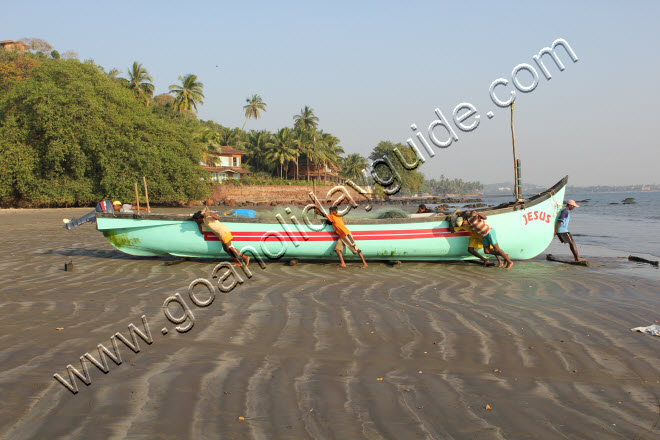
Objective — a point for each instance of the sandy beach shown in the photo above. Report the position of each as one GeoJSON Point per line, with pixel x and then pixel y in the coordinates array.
{"type": "Point", "coordinates": [419, 350]}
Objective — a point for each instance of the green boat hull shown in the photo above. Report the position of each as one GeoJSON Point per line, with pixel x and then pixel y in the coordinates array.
{"type": "Point", "coordinates": [523, 230]}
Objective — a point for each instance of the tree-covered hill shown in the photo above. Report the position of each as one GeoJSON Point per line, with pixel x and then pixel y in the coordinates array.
{"type": "Point", "coordinates": [70, 134]}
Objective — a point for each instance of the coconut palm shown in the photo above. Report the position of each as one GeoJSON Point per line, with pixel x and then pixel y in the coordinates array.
{"type": "Point", "coordinates": [232, 137]}
{"type": "Point", "coordinates": [299, 141]}
{"type": "Point", "coordinates": [353, 167]}
{"type": "Point", "coordinates": [139, 81]}
{"type": "Point", "coordinates": [305, 146]}
{"type": "Point", "coordinates": [281, 149]}
{"type": "Point", "coordinates": [210, 141]}
{"type": "Point", "coordinates": [331, 151]}
{"type": "Point", "coordinates": [253, 107]}
{"type": "Point", "coordinates": [306, 119]}
{"type": "Point", "coordinates": [188, 94]}
{"type": "Point", "coordinates": [256, 146]}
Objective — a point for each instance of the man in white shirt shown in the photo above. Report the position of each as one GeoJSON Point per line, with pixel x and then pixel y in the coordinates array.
{"type": "Point", "coordinates": [126, 207]}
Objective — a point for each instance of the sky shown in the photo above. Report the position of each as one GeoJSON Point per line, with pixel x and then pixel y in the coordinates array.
{"type": "Point", "coordinates": [371, 69]}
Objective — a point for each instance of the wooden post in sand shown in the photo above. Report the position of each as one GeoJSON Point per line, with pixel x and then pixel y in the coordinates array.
{"type": "Point", "coordinates": [137, 198]}
{"type": "Point", "coordinates": [146, 194]}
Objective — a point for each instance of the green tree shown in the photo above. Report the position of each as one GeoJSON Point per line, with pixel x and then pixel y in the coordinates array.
{"type": "Point", "coordinates": [70, 135]}
{"type": "Point", "coordinates": [353, 167]}
{"type": "Point", "coordinates": [452, 186]}
{"type": "Point", "coordinates": [256, 146]}
{"type": "Point", "coordinates": [139, 81]}
{"type": "Point", "coordinates": [113, 73]}
{"type": "Point", "coordinates": [253, 108]}
{"type": "Point", "coordinates": [409, 180]}
{"type": "Point", "coordinates": [233, 137]}
{"type": "Point", "coordinates": [331, 152]}
{"type": "Point", "coordinates": [307, 148]}
{"type": "Point", "coordinates": [187, 95]}
{"type": "Point", "coordinates": [209, 139]}
{"type": "Point", "coordinates": [306, 119]}
{"type": "Point", "coordinates": [281, 149]}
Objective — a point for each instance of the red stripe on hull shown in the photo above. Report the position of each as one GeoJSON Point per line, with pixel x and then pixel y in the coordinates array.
{"type": "Point", "coordinates": [327, 236]}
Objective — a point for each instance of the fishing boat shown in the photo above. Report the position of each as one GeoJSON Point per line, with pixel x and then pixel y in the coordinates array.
{"type": "Point", "coordinates": [524, 228]}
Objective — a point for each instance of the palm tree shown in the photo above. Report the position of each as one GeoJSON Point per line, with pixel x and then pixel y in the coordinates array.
{"type": "Point", "coordinates": [353, 167]}
{"type": "Point", "coordinates": [232, 137]}
{"type": "Point", "coordinates": [210, 141]}
{"type": "Point", "coordinates": [252, 108]}
{"type": "Point", "coordinates": [139, 81]}
{"type": "Point", "coordinates": [188, 94]}
{"type": "Point", "coordinates": [281, 149]}
{"type": "Point", "coordinates": [305, 145]}
{"type": "Point", "coordinates": [256, 146]}
{"type": "Point", "coordinates": [331, 151]}
{"type": "Point", "coordinates": [306, 119]}
{"type": "Point", "coordinates": [298, 145]}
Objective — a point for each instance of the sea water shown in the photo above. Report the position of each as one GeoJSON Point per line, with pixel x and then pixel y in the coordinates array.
{"type": "Point", "coordinates": [604, 223]}
{"type": "Point", "coordinates": [603, 220]}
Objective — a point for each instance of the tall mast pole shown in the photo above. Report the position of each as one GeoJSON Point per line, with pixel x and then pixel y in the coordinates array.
{"type": "Point", "coordinates": [516, 190]}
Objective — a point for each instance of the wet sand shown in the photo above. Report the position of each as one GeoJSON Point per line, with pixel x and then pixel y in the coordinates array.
{"type": "Point", "coordinates": [313, 351]}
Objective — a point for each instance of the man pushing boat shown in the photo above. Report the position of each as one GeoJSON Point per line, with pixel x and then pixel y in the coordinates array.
{"type": "Point", "coordinates": [212, 223]}
{"type": "Point", "coordinates": [345, 237]}
{"type": "Point", "coordinates": [561, 228]}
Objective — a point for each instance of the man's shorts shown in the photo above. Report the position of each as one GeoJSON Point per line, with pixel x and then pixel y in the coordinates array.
{"type": "Point", "coordinates": [347, 242]}
{"type": "Point", "coordinates": [490, 239]}
{"type": "Point", "coordinates": [475, 241]}
{"type": "Point", "coordinates": [565, 237]}
{"type": "Point", "coordinates": [475, 238]}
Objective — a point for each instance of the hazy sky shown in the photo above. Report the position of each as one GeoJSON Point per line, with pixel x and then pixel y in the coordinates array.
{"type": "Point", "coordinates": [371, 69]}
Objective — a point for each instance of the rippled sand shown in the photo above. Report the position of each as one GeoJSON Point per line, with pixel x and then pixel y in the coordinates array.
{"type": "Point", "coordinates": [314, 351]}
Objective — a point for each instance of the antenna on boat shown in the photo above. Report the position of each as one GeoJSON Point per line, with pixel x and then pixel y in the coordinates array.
{"type": "Point", "coordinates": [516, 163]}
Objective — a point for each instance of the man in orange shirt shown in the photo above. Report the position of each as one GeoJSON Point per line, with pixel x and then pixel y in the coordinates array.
{"type": "Point", "coordinates": [345, 237]}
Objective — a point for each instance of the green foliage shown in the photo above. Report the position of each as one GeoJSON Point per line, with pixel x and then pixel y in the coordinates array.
{"type": "Point", "coordinates": [139, 81]}
{"type": "Point", "coordinates": [188, 94]}
{"type": "Point", "coordinates": [261, 179]}
{"type": "Point", "coordinates": [306, 119]}
{"type": "Point", "coordinates": [71, 135]}
{"type": "Point", "coordinates": [257, 145]}
{"type": "Point", "coordinates": [15, 67]}
{"type": "Point", "coordinates": [253, 108]}
{"type": "Point", "coordinates": [411, 180]}
{"type": "Point", "coordinates": [280, 149]}
{"type": "Point", "coordinates": [392, 213]}
{"type": "Point", "coordinates": [353, 166]}
{"type": "Point", "coordinates": [452, 186]}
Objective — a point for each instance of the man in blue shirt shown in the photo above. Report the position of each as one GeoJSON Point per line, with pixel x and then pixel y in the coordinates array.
{"type": "Point", "coordinates": [561, 228]}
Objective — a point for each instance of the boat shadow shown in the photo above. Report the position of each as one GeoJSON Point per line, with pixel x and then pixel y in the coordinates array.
{"type": "Point", "coordinates": [113, 254]}
{"type": "Point", "coordinates": [95, 253]}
